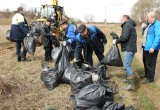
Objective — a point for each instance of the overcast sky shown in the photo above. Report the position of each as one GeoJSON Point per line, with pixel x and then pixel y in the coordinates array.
{"type": "Point", "coordinates": [113, 9]}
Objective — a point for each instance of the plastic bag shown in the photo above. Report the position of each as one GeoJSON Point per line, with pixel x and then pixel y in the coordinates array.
{"type": "Point", "coordinates": [30, 45]}
{"type": "Point", "coordinates": [56, 53]}
{"type": "Point", "coordinates": [68, 72]}
{"type": "Point", "coordinates": [93, 95]}
{"type": "Point", "coordinates": [113, 106]}
{"type": "Point", "coordinates": [63, 63]}
{"type": "Point", "coordinates": [113, 57]}
{"type": "Point", "coordinates": [50, 77]}
{"type": "Point", "coordinates": [79, 80]}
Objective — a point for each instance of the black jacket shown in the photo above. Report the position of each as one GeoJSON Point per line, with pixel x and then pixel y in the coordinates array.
{"type": "Point", "coordinates": [128, 38]}
{"type": "Point", "coordinates": [46, 35]}
{"type": "Point", "coordinates": [97, 38]}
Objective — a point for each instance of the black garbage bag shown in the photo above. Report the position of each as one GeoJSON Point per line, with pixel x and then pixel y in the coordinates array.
{"type": "Point", "coordinates": [63, 63]}
{"type": "Point", "coordinates": [87, 67]}
{"type": "Point", "coordinates": [93, 95]}
{"type": "Point", "coordinates": [50, 77]}
{"type": "Point", "coordinates": [56, 54]}
{"type": "Point", "coordinates": [109, 105]}
{"type": "Point", "coordinates": [30, 45]}
{"type": "Point", "coordinates": [102, 71]}
{"type": "Point", "coordinates": [67, 73]}
{"type": "Point", "coordinates": [91, 108]}
{"type": "Point", "coordinates": [113, 57]}
{"type": "Point", "coordinates": [79, 80]}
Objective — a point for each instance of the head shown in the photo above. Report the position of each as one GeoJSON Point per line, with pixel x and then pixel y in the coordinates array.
{"type": "Point", "coordinates": [49, 21]}
{"type": "Point", "coordinates": [125, 18]}
{"type": "Point", "coordinates": [65, 17]}
{"type": "Point", "coordinates": [82, 29]}
{"type": "Point", "coordinates": [151, 16]}
{"type": "Point", "coordinates": [20, 10]}
{"type": "Point", "coordinates": [63, 24]}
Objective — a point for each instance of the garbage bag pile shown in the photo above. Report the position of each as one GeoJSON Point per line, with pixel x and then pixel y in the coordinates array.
{"type": "Point", "coordinates": [89, 90]}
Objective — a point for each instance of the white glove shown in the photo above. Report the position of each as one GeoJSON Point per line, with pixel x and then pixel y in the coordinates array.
{"type": "Point", "coordinates": [28, 34]}
{"type": "Point", "coordinates": [64, 43]}
{"type": "Point", "coordinates": [114, 41]}
{"type": "Point", "coordinates": [95, 77]}
{"type": "Point", "coordinates": [75, 60]}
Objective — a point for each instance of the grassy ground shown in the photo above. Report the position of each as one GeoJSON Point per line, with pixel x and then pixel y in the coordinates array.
{"type": "Point", "coordinates": [22, 89]}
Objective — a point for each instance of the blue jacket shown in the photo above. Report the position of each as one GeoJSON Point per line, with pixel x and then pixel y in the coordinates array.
{"type": "Point", "coordinates": [19, 27]}
{"type": "Point", "coordinates": [153, 36]}
{"type": "Point", "coordinates": [97, 37]}
{"type": "Point", "coordinates": [71, 34]}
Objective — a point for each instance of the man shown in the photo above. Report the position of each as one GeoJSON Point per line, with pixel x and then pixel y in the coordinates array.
{"type": "Point", "coordinates": [128, 41]}
{"type": "Point", "coordinates": [151, 45]}
{"type": "Point", "coordinates": [70, 21]}
{"type": "Point", "coordinates": [19, 30]}
{"type": "Point", "coordinates": [47, 35]}
{"type": "Point", "coordinates": [69, 37]}
{"type": "Point", "coordinates": [89, 39]}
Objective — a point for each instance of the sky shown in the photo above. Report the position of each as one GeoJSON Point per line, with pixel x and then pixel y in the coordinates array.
{"type": "Point", "coordinates": [112, 10]}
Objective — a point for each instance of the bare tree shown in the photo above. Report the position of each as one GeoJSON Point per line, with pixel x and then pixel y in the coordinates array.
{"type": "Point", "coordinates": [89, 18]}
{"type": "Point", "coordinates": [141, 8]}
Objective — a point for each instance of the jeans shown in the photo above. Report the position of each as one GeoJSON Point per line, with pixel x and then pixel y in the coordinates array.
{"type": "Point", "coordinates": [150, 64]}
{"type": "Point", "coordinates": [128, 58]}
{"type": "Point", "coordinates": [19, 44]}
{"type": "Point", "coordinates": [48, 51]}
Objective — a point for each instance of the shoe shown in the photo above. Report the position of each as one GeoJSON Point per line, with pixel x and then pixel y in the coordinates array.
{"type": "Point", "coordinates": [146, 81]}
{"type": "Point", "coordinates": [18, 58]}
{"type": "Point", "coordinates": [25, 59]}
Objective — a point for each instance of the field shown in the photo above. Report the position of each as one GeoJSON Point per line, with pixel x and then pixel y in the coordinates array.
{"type": "Point", "coordinates": [22, 89]}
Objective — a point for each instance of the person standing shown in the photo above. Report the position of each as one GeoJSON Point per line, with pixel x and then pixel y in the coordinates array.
{"type": "Point", "coordinates": [47, 35]}
{"type": "Point", "coordinates": [128, 41]}
{"type": "Point", "coordinates": [151, 45]}
{"type": "Point", "coordinates": [19, 30]}
{"type": "Point", "coordinates": [89, 39]}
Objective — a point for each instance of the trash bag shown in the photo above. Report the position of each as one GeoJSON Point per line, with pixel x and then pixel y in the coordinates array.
{"type": "Point", "coordinates": [56, 54]}
{"type": "Point", "coordinates": [113, 57]}
{"type": "Point", "coordinates": [79, 80]}
{"type": "Point", "coordinates": [8, 36]}
{"type": "Point", "coordinates": [67, 74]}
{"type": "Point", "coordinates": [50, 77]}
{"type": "Point", "coordinates": [63, 63]}
{"type": "Point", "coordinates": [102, 71]}
{"type": "Point", "coordinates": [87, 66]}
{"type": "Point", "coordinates": [30, 45]}
{"type": "Point", "coordinates": [113, 106]}
{"type": "Point", "coordinates": [93, 95]}
{"type": "Point", "coordinates": [91, 108]}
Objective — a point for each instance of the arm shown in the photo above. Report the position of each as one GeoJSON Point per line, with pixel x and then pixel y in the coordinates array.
{"type": "Point", "coordinates": [44, 33]}
{"type": "Point", "coordinates": [125, 34]}
{"type": "Point", "coordinates": [71, 35]}
{"type": "Point", "coordinates": [101, 35]}
{"type": "Point", "coordinates": [78, 50]}
{"type": "Point", "coordinates": [157, 37]}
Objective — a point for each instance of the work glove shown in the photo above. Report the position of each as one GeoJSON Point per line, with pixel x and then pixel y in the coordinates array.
{"type": "Point", "coordinates": [114, 41]}
{"type": "Point", "coordinates": [75, 60]}
{"type": "Point", "coordinates": [64, 43]}
{"type": "Point", "coordinates": [28, 34]}
{"type": "Point", "coordinates": [114, 35]}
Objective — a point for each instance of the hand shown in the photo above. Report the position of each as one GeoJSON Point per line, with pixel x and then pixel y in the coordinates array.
{"type": "Point", "coordinates": [53, 34]}
{"type": "Point", "coordinates": [75, 60]}
{"type": "Point", "coordinates": [28, 34]}
{"type": "Point", "coordinates": [114, 41]}
{"type": "Point", "coordinates": [151, 51]}
{"type": "Point", "coordinates": [64, 43]}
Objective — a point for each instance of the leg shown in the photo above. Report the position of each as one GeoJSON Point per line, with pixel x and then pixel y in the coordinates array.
{"type": "Point", "coordinates": [99, 55]}
{"type": "Point", "coordinates": [18, 50]}
{"type": "Point", "coordinates": [47, 51]}
{"type": "Point", "coordinates": [89, 55]}
{"type": "Point", "coordinates": [128, 58]}
{"type": "Point", "coordinates": [24, 52]}
{"type": "Point", "coordinates": [144, 63]}
{"type": "Point", "coordinates": [50, 50]}
{"type": "Point", "coordinates": [151, 64]}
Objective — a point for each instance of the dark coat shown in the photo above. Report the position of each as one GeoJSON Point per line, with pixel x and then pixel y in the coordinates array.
{"type": "Point", "coordinates": [128, 38]}
{"type": "Point", "coordinates": [97, 37]}
{"type": "Point", "coordinates": [46, 35]}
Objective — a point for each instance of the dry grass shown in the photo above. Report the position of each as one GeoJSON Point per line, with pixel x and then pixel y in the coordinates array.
{"type": "Point", "coordinates": [22, 89]}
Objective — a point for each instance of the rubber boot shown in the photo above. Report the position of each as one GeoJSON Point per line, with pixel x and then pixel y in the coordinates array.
{"type": "Point", "coordinates": [130, 85]}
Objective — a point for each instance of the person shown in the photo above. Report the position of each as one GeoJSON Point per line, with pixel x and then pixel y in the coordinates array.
{"type": "Point", "coordinates": [47, 37]}
{"type": "Point", "coordinates": [151, 45]}
{"type": "Point", "coordinates": [19, 30]}
{"type": "Point", "coordinates": [69, 37]}
{"type": "Point", "coordinates": [89, 39]}
{"type": "Point", "coordinates": [70, 21]}
{"type": "Point", "coordinates": [128, 41]}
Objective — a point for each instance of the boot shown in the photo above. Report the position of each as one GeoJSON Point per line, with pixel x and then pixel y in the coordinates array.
{"type": "Point", "coordinates": [18, 58]}
{"type": "Point", "coordinates": [130, 86]}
